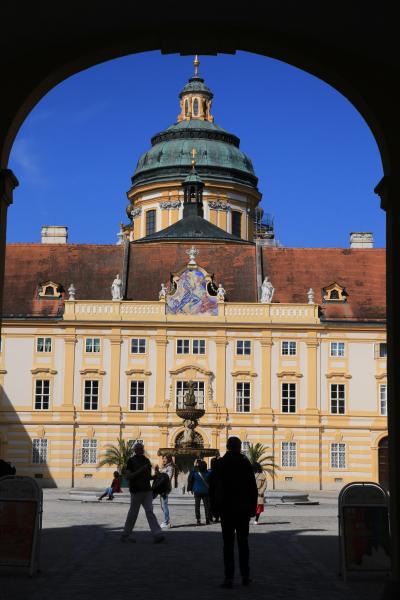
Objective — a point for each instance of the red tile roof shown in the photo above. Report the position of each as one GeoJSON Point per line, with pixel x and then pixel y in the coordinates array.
{"type": "Point", "coordinates": [91, 268]}
{"type": "Point", "coordinates": [362, 272]}
{"type": "Point", "coordinates": [292, 271]}
{"type": "Point", "coordinates": [233, 265]}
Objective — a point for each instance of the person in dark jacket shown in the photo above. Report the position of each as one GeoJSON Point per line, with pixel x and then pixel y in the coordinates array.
{"type": "Point", "coordinates": [233, 495]}
{"type": "Point", "coordinates": [198, 484]}
{"type": "Point", "coordinates": [138, 473]}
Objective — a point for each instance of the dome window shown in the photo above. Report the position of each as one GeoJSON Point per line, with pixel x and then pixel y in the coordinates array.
{"type": "Point", "coordinates": [186, 108]}
{"type": "Point", "coordinates": [49, 289]}
{"type": "Point", "coordinates": [334, 293]}
{"type": "Point", "coordinates": [195, 107]}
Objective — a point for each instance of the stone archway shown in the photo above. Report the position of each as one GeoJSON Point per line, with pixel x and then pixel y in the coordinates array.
{"type": "Point", "coordinates": [383, 462]}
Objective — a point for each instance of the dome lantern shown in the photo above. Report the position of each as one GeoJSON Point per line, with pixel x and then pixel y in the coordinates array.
{"type": "Point", "coordinates": [196, 98]}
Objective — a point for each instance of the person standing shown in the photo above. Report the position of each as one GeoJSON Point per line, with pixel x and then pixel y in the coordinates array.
{"type": "Point", "coordinates": [233, 495]}
{"type": "Point", "coordinates": [199, 484]}
{"type": "Point", "coordinates": [138, 473]}
{"type": "Point", "coordinates": [168, 467]}
{"type": "Point", "coordinates": [261, 481]}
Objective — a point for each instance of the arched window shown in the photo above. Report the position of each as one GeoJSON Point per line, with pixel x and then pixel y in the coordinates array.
{"type": "Point", "coordinates": [49, 291]}
{"type": "Point", "coordinates": [150, 221]}
{"type": "Point", "coordinates": [195, 107]}
{"type": "Point", "coordinates": [334, 295]}
{"type": "Point", "coordinates": [186, 108]}
{"type": "Point", "coordinates": [237, 223]}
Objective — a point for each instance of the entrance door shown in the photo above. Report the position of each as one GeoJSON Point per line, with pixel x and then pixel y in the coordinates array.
{"type": "Point", "coordinates": [383, 463]}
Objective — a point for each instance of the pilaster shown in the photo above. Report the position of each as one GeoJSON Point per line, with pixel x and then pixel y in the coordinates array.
{"type": "Point", "coordinates": [115, 368]}
{"type": "Point", "coordinates": [8, 182]}
{"type": "Point", "coordinates": [266, 345]}
{"type": "Point", "coordinates": [312, 399]}
{"type": "Point", "coordinates": [220, 374]}
{"type": "Point", "coordinates": [161, 357]}
{"type": "Point", "coordinates": [69, 369]}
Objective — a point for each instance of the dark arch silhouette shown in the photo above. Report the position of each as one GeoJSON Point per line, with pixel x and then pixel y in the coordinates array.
{"type": "Point", "coordinates": [353, 48]}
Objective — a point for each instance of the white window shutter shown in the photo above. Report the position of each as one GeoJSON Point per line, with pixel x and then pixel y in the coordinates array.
{"type": "Point", "coordinates": [78, 456]}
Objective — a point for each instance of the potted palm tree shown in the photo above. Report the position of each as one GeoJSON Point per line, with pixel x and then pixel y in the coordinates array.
{"type": "Point", "coordinates": [257, 453]}
{"type": "Point", "coordinates": [118, 456]}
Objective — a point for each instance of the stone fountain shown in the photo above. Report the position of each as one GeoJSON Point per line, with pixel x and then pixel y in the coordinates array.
{"type": "Point", "coordinates": [188, 446]}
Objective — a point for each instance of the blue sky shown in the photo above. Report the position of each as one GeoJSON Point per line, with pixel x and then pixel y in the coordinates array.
{"type": "Point", "coordinates": [315, 157]}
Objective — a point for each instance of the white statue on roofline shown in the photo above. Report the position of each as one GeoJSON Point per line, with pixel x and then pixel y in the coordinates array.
{"type": "Point", "coordinates": [267, 291]}
{"type": "Point", "coordinates": [116, 289]}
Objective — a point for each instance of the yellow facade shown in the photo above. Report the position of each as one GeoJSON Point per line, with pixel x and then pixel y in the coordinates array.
{"type": "Point", "coordinates": [303, 442]}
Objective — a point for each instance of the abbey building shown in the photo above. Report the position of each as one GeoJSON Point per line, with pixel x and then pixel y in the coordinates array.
{"type": "Point", "coordinates": [286, 346]}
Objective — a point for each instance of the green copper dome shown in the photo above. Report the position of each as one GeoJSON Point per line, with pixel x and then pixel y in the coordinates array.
{"type": "Point", "coordinates": [218, 156]}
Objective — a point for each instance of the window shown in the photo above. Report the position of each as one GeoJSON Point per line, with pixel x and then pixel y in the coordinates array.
{"type": "Point", "coordinates": [186, 108]}
{"type": "Point", "coordinates": [181, 387]}
{"type": "Point", "coordinates": [243, 347]}
{"type": "Point", "coordinates": [289, 348]}
{"type": "Point", "coordinates": [237, 223]}
{"type": "Point", "coordinates": [39, 451]}
{"type": "Point", "coordinates": [243, 396]}
{"type": "Point", "coordinates": [289, 454]}
{"type": "Point", "coordinates": [137, 395]}
{"type": "Point", "coordinates": [288, 397]}
{"type": "Point", "coordinates": [337, 398]}
{"type": "Point", "coordinates": [92, 345]}
{"type": "Point", "coordinates": [245, 448]}
{"type": "Point", "coordinates": [89, 452]}
{"type": "Point", "coordinates": [195, 107]}
{"type": "Point", "coordinates": [43, 344]}
{"type": "Point", "coordinates": [91, 399]}
{"type": "Point", "coordinates": [337, 349]}
{"type": "Point", "coordinates": [382, 350]}
{"type": "Point", "coordinates": [42, 394]}
{"type": "Point", "coordinates": [150, 221]}
{"type": "Point", "coordinates": [383, 399]}
{"type": "Point", "coordinates": [136, 441]}
{"type": "Point", "coordinates": [138, 345]}
{"type": "Point", "coordinates": [182, 346]}
{"type": "Point", "coordinates": [334, 295]}
{"type": "Point", "coordinates": [338, 455]}
{"type": "Point", "coordinates": [49, 290]}
{"type": "Point", "coordinates": [199, 347]}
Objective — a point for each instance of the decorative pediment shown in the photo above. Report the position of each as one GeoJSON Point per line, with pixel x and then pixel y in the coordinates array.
{"type": "Point", "coordinates": [90, 433]}
{"type": "Point", "coordinates": [40, 432]}
{"type": "Point", "coordinates": [137, 372]}
{"type": "Point", "coordinates": [379, 376]}
{"type": "Point", "coordinates": [289, 374]}
{"type": "Point", "coordinates": [334, 293]}
{"type": "Point", "coordinates": [193, 369]}
{"type": "Point", "coordinates": [338, 437]}
{"type": "Point", "coordinates": [243, 373]}
{"type": "Point", "coordinates": [289, 436]}
{"type": "Point", "coordinates": [338, 375]}
{"type": "Point", "coordinates": [49, 289]}
{"type": "Point", "coordinates": [192, 290]}
{"type": "Point", "coordinates": [91, 370]}
{"type": "Point", "coordinates": [43, 370]}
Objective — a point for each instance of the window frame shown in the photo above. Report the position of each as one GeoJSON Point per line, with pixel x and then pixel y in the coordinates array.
{"type": "Point", "coordinates": [44, 338]}
{"type": "Point", "coordinates": [40, 461]}
{"type": "Point", "coordinates": [244, 397]}
{"type": "Point", "coordinates": [138, 339]}
{"type": "Point", "coordinates": [243, 341]}
{"type": "Point", "coordinates": [380, 345]}
{"type": "Point", "coordinates": [182, 342]}
{"type": "Point", "coordinates": [338, 454]}
{"type": "Point", "coordinates": [199, 383]}
{"type": "Point", "coordinates": [84, 394]}
{"type": "Point", "coordinates": [339, 346]}
{"type": "Point", "coordinates": [96, 352]}
{"type": "Point", "coordinates": [289, 353]}
{"type": "Point", "coordinates": [382, 401]}
{"type": "Point", "coordinates": [153, 212]}
{"type": "Point", "coordinates": [289, 398]}
{"type": "Point", "coordinates": [290, 448]}
{"type": "Point", "coordinates": [240, 219]}
{"type": "Point", "coordinates": [201, 342]}
{"type": "Point", "coordinates": [90, 448]}
{"type": "Point", "coordinates": [337, 399]}
{"type": "Point", "coordinates": [138, 395]}
{"type": "Point", "coordinates": [41, 394]}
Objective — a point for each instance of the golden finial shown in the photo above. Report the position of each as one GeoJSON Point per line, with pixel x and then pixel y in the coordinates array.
{"type": "Point", "coordinates": [196, 63]}
{"type": "Point", "coordinates": [193, 153]}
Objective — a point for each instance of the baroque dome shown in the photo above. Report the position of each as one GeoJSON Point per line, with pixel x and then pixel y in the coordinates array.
{"type": "Point", "coordinates": [218, 156]}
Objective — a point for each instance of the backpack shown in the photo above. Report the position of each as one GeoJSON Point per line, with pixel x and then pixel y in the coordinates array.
{"type": "Point", "coordinates": [161, 485]}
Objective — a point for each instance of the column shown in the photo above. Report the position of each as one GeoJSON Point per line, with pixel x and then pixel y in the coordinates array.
{"type": "Point", "coordinates": [389, 191]}
{"type": "Point", "coordinates": [69, 369]}
{"type": "Point", "coordinates": [220, 373]}
{"type": "Point", "coordinates": [266, 345]}
{"type": "Point", "coordinates": [161, 359]}
{"type": "Point", "coordinates": [8, 182]}
{"type": "Point", "coordinates": [312, 400]}
{"type": "Point", "coordinates": [115, 370]}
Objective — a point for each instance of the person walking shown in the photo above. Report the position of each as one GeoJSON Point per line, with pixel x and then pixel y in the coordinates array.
{"type": "Point", "coordinates": [198, 484]}
{"type": "Point", "coordinates": [233, 496]}
{"type": "Point", "coordinates": [261, 481]}
{"type": "Point", "coordinates": [138, 473]}
{"type": "Point", "coordinates": [168, 467]}
{"type": "Point", "coordinates": [115, 488]}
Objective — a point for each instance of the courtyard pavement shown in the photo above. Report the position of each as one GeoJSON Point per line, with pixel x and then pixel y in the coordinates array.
{"type": "Point", "coordinates": [294, 555]}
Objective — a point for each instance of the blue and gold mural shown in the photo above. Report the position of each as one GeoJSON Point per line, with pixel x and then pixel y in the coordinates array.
{"type": "Point", "coordinates": [191, 296]}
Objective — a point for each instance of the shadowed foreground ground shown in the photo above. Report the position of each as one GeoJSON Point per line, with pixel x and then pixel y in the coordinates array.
{"type": "Point", "coordinates": [293, 555]}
